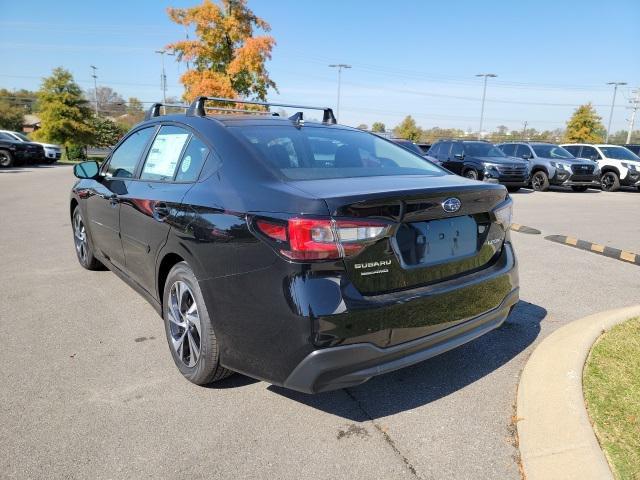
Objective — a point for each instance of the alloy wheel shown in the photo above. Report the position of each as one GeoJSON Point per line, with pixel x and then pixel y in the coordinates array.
{"type": "Point", "coordinates": [607, 181]}
{"type": "Point", "coordinates": [184, 324]}
{"type": "Point", "coordinates": [537, 181]}
{"type": "Point", "coordinates": [5, 159]}
{"type": "Point", "coordinates": [80, 237]}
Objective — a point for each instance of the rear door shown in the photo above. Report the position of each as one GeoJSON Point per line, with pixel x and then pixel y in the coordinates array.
{"type": "Point", "coordinates": [103, 204]}
{"type": "Point", "coordinates": [456, 158]}
{"type": "Point", "coordinates": [151, 205]}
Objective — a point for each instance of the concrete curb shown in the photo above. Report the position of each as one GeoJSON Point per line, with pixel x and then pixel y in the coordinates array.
{"type": "Point", "coordinates": [556, 439]}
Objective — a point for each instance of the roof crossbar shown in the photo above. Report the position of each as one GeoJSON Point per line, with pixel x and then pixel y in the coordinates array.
{"type": "Point", "coordinates": [198, 109]}
{"type": "Point", "coordinates": [154, 110]}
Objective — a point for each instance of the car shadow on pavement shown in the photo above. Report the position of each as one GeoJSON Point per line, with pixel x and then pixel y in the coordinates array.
{"type": "Point", "coordinates": [432, 379]}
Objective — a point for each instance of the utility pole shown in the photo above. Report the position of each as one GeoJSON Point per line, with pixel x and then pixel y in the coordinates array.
{"type": "Point", "coordinates": [339, 66]}
{"type": "Point", "coordinates": [634, 108]}
{"type": "Point", "coordinates": [613, 102]}
{"type": "Point", "coordinates": [524, 130]}
{"type": "Point", "coordinates": [484, 94]}
{"type": "Point", "coordinates": [163, 75]}
{"type": "Point", "coordinates": [95, 87]}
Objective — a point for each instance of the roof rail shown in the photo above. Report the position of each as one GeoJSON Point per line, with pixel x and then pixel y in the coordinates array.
{"type": "Point", "coordinates": [198, 109]}
{"type": "Point", "coordinates": [240, 110]}
{"type": "Point", "coordinates": [154, 110]}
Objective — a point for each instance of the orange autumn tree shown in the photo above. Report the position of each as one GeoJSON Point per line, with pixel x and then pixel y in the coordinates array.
{"type": "Point", "coordinates": [228, 59]}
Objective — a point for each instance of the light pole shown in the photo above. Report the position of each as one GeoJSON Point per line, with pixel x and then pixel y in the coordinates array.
{"type": "Point", "coordinates": [163, 76]}
{"type": "Point", "coordinates": [635, 105]}
{"type": "Point", "coordinates": [95, 87]}
{"type": "Point", "coordinates": [484, 94]}
{"type": "Point", "coordinates": [613, 102]}
{"type": "Point", "coordinates": [339, 66]}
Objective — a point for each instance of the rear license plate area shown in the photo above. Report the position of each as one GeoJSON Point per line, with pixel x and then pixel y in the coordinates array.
{"type": "Point", "coordinates": [437, 241]}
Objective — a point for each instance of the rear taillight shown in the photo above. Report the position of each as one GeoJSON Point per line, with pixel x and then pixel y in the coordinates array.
{"type": "Point", "coordinates": [322, 239]}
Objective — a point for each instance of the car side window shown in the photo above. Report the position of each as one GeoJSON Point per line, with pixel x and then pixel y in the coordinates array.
{"type": "Point", "coordinates": [443, 154]}
{"type": "Point", "coordinates": [125, 158]}
{"type": "Point", "coordinates": [164, 154]}
{"type": "Point", "coordinates": [522, 150]}
{"type": "Point", "coordinates": [192, 161]}
{"type": "Point", "coordinates": [508, 149]}
{"type": "Point", "coordinates": [433, 151]}
{"type": "Point", "coordinates": [590, 152]}
{"type": "Point", "coordinates": [573, 149]}
{"type": "Point", "coordinates": [456, 149]}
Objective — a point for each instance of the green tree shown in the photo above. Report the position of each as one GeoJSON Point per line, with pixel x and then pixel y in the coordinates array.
{"type": "Point", "coordinates": [408, 129]}
{"type": "Point", "coordinates": [64, 113]}
{"type": "Point", "coordinates": [585, 125]}
{"type": "Point", "coordinates": [106, 132]}
{"type": "Point", "coordinates": [24, 100]}
{"type": "Point", "coordinates": [11, 117]}
{"type": "Point", "coordinates": [378, 127]}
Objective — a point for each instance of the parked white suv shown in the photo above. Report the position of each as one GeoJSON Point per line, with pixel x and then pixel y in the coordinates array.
{"type": "Point", "coordinates": [52, 153]}
{"type": "Point", "coordinates": [618, 165]}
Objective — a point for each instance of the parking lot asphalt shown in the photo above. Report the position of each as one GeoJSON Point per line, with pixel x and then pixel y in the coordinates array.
{"type": "Point", "coordinates": [89, 389]}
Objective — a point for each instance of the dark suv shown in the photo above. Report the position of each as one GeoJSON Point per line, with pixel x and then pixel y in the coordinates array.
{"type": "Point", "coordinates": [480, 160]}
{"type": "Point", "coordinates": [307, 254]}
{"type": "Point", "coordinates": [15, 152]}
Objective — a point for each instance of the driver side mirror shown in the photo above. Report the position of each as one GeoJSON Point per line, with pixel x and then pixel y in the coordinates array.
{"type": "Point", "coordinates": [527, 156]}
{"type": "Point", "coordinates": [459, 156]}
{"type": "Point", "coordinates": [86, 170]}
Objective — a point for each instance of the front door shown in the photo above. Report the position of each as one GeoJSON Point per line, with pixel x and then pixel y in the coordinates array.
{"type": "Point", "coordinates": [153, 200]}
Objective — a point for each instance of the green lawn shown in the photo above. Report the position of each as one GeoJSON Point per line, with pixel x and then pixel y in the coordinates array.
{"type": "Point", "coordinates": [612, 391]}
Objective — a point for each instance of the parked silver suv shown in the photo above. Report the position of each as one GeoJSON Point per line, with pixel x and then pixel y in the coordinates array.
{"type": "Point", "coordinates": [553, 165]}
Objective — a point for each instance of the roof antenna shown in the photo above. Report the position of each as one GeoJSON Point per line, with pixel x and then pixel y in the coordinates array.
{"type": "Point", "coordinates": [297, 119]}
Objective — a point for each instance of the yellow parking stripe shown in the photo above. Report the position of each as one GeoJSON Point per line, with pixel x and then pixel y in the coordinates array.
{"type": "Point", "coordinates": [597, 248]}
{"type": "Point", "coordinates": [571, 241]}
{"type": "Point", "coordinates": [628, 256]}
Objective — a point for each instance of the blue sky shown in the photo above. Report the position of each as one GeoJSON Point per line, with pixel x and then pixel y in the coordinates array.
{"type": "Point", "coordinates": [411, 57]}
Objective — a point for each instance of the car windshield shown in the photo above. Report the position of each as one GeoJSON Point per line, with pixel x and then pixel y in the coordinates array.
{"type": "Point", "coordinates": [22, 137]}
{"type": "Point", "coordinates": [619, 153]}
{"type": "Point", "coordinates": [410, 146]}
{"type": "Point", "coordinates": [551, 151]}
{"type": "Point", "coordinates": [310, 153]}
{"type": "Point", "coordinates": [482, 149]}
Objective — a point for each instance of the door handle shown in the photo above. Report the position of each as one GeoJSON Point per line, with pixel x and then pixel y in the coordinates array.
{"type": "Point", "coordinates": [161, 211]}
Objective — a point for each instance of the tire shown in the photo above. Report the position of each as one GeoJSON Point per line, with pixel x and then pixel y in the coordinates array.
{"type": "Point", "coordinates": [6, 159]}
{"type": "Point", "coordinates": [579, 188]}
{"type": "Point", "coordinates": [610, 182]}
{"type": "Point", "coordinates": [82, 242]}
{"type": "Point", "coordinates": [192, 342]}
{"type": "Point", "coordinates": [472, 174]}
{"type": "Point", "coordinates": [540, 181]}
{"type": "Point", "coordinates": [513, 189]}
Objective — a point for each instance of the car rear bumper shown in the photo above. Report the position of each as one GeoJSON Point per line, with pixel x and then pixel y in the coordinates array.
{"type": "Point", "coordinates": [349, 365]}
{"type": "Point", "coordinates": [464, 310]}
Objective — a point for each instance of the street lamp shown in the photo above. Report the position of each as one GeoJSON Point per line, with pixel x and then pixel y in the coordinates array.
{"type": "Point", "coordinates": [163, 76]}
{"type": "Point", "coordinates": [95, 87]}
{"type": "Point", "coordinates": [613, 102]}
{"type": "Point", "coordinates": [339, 66]}
{"type": "Point", "coordinates": [484, 93]}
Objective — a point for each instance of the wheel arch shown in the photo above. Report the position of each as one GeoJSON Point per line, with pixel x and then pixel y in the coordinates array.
{"type": "Point", "coordinates": [610, 168]}
{"type": "Point", "coordinates": [169, 260]}
{"type": "Point", "coordinates": [540, 168]}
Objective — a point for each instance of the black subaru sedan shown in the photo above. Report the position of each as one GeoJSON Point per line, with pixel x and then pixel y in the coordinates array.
{"type": "Point", "coordinates": [307, 254]}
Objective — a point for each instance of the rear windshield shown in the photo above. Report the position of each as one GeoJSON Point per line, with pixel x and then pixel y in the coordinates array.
{"type": "Point", "coordinates": [310, 153]}
{"type": "Point", "coordinates": [619, 153]}
{"type": "Point", "coordinates": [551, 151]}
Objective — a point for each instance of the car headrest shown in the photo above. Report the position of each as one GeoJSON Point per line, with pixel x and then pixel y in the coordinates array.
{"type": "Point", "coordinates": [348, 156]}
{"type": "Point", "coordinates": [279, 157]}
